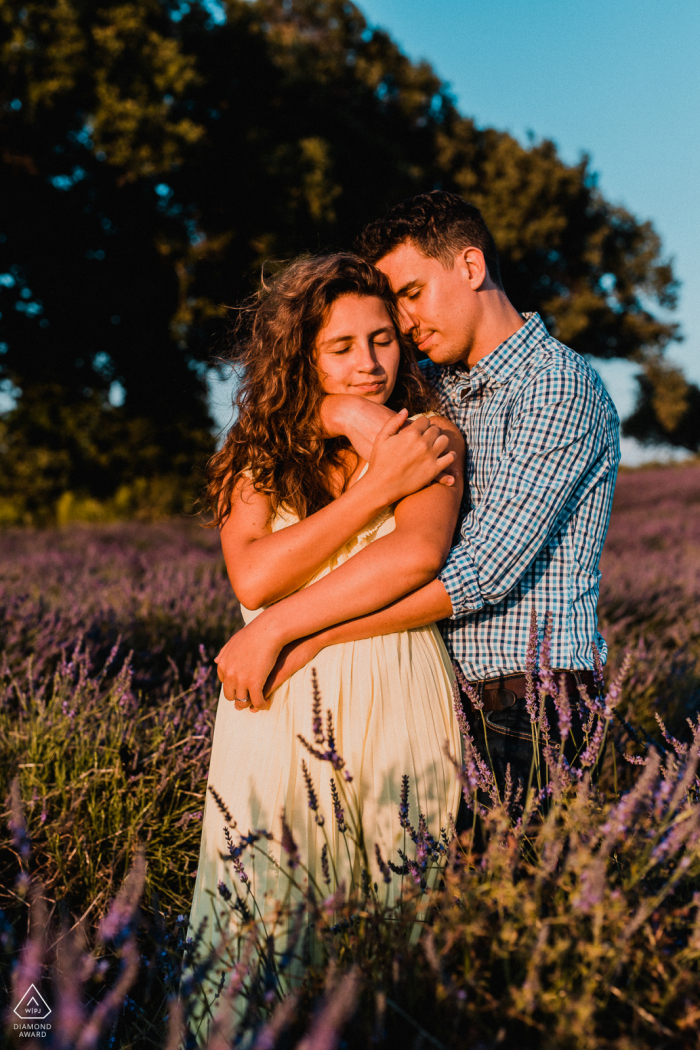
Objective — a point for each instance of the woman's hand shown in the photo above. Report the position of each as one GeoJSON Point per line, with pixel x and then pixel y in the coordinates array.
{"type": "Point", "coordinates": [247, 660]}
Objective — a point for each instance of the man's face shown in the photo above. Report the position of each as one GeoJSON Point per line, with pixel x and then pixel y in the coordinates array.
{"type": "Point", "coordinates": [438, 307]}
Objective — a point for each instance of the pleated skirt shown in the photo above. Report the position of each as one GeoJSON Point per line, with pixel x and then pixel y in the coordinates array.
{"type": "Point", "coordinates": [390, 702]}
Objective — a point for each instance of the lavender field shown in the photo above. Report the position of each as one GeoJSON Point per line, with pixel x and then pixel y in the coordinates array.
{"type": "Point", "coordinates": [575, 926]}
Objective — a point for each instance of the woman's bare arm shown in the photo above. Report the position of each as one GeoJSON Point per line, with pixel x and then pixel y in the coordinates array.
{"type": "Point", "coordinates": [265, 566]}
{"type": "Point", "coordinates": [384, 572]}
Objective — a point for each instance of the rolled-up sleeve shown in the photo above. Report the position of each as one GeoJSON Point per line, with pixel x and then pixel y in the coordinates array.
{"type": "Point", "coordinates": [557, 448]}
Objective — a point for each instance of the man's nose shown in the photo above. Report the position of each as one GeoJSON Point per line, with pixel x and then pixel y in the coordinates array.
{"type": "Point", "coordinates": [406, 321]}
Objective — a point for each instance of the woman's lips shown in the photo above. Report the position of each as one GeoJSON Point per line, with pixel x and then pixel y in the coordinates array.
{"type": "Point", "coordinates": [371, 387]}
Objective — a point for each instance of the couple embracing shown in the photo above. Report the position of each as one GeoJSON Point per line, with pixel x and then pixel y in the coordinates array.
{"type": "Point", "coordinates": [362, 500]}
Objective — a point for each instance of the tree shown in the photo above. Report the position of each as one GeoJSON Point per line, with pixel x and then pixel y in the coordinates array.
{"type": "Point", "coordinates": [154, 157]}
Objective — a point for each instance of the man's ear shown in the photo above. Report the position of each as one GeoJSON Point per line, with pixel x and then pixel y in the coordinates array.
{"type": "Point", "coordinates": [473, 265]}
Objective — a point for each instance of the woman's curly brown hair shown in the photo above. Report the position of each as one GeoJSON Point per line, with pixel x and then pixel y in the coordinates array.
{"type": "Point", "coordinates": [277, 435]}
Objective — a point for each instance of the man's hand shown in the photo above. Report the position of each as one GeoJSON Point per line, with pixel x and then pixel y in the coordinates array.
{"type": "Point", "coordinates": [246, 661]}
{"type": "Point", "coordinates": [293, 657]}
{"type": "Point", "coordinates": [407, 459]}
{"type": "Point", "coordinates": [412, 460]}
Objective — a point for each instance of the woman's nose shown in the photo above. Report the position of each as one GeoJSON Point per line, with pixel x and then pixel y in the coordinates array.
{"type": "Point", "coordinates": [368, 358]}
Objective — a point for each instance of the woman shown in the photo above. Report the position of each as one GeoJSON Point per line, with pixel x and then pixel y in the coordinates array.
{"type": "Point", "coordinates": [293, 507]}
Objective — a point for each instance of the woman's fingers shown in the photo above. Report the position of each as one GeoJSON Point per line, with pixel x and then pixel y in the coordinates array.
{"type": "Point", "coordinates": [440, 442]}
{"type": "Point", "coordinates": [444, 463]}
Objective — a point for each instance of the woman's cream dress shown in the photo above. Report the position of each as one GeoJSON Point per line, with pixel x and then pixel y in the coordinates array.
{"type": "Point", "coordinates": [391, 701]}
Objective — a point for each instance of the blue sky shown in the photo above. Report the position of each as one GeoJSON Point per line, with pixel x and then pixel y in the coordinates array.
{"type": "Point", "coordinates": [619, 79]}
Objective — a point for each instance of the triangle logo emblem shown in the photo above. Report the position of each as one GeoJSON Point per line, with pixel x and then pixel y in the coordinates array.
{"type": "Point", "coordinates": [32, 1006]}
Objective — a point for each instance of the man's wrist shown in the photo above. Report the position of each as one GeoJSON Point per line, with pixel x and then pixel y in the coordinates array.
{"type": "Point", "coordinates": [276, 625]}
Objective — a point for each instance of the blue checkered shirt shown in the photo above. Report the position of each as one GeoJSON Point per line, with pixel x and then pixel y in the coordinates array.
{"type": "Point", "coordinates": [543, 448]}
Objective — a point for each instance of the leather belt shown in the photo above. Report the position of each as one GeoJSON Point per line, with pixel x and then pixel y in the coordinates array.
{"type": "Point", "coordinates": [498, 694]}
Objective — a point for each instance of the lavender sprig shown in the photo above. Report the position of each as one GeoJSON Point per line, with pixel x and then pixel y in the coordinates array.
{"type": "Point", "coordinates": [338, 811]}
{"type": "Point", "coordinates": [325, 866]}
{"type": "Point", "coordinates": [312, 796]}
{"type": "Point", "coordinates": [383, 866]}
{"type": "Point", "coordinates": [317, 717]}
{"type": "Point", "coordinates": [531, 668]}
{"type": "Point", "coordinates": [223, 808]}
{"type": "Point", "coordinates": [289, 845]}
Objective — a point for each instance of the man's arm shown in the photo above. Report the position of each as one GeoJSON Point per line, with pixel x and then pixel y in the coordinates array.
{"type": "Point", "coordinates": [426, 605]}
{"type": "Point", "coordinates": [562, 440]}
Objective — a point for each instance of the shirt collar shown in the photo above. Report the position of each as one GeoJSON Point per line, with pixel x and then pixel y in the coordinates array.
{"type": "Point", "coordinates": [510, 355]}
{"type": "Point", "coordinates": [498, 366]}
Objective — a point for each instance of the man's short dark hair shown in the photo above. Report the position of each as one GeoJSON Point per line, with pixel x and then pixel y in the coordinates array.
{"type": "Point", "coordinates": [440, 224]}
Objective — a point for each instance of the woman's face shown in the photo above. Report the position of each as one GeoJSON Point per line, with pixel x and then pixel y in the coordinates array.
{"type": "Point", "coordinates": [357, 349]}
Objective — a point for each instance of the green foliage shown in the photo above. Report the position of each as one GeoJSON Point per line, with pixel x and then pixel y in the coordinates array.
{"type": "Point", "coordinates": [155, 160]}
{"type": "Point", "coordinates": [667, 409]}
{"type": "Point", "coordinates": [66, 457]}
{"type": "Point", "coordinates": [102, 777]}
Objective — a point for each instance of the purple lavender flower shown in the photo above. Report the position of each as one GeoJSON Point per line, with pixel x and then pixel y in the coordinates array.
{"type": "Point", "coordinates": [311, 792]}
{"type": "Point", "coordinates": [467, 688]}
{"type": "Point", "coordinates": [383, 866]}
{"type": "Point", "coordinates": [598, 674]}
{"type": "Point", "coordinates": [236, 851]}
{"type": "Point", "coordinates": [224, 891]}
{"type": "Point", "coordinates": [531, 668]}
{"type": "Point", "coordinates": [337, 1007]}
{"type": "Point", "coordinates": [403, 804]}
{"type": "Point", "coordinates": [462, 720]}
{"type": "Point", "coordinates": [592, 753]}
{"type": "Point", "coordinates": [422, 842]}
{"type": "Point", "coordinates": [118, 922]}
{"type": "Point", "coordinates": [325, 866]}
{"type": "Point", "coordinates": [223, 808]}
{"type": "Point", "coordinates": [563, 707]}
{"type": "Point", "coordinates": [338, 811]}
{"type": "Point", "coordinates": [320, 755]}
{"type": "Point", "coordinates": [615, 691]}
{"type": "Point", "coordinates": [547, 686]}
{"type": "Point", "coordinates": [289, 845]}
{"type": "Point", "coordinates": [317, 719]}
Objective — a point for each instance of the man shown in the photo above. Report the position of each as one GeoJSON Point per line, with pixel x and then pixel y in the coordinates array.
{"type": "Point", "coordinates": [542, 456]}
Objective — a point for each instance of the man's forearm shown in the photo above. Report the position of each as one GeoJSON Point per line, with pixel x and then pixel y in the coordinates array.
{"type": "Point", "coordinates": [425, 606]}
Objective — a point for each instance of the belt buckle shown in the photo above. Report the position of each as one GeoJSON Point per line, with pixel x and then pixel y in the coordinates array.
{"type": "Point", "coordinates": [506, 697]}
{"type": "Point", "coordinates": [497, 698]}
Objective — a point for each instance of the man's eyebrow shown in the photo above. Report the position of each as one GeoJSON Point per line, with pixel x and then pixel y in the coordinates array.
{"type": "Point", "coordinates": [404, 287]}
